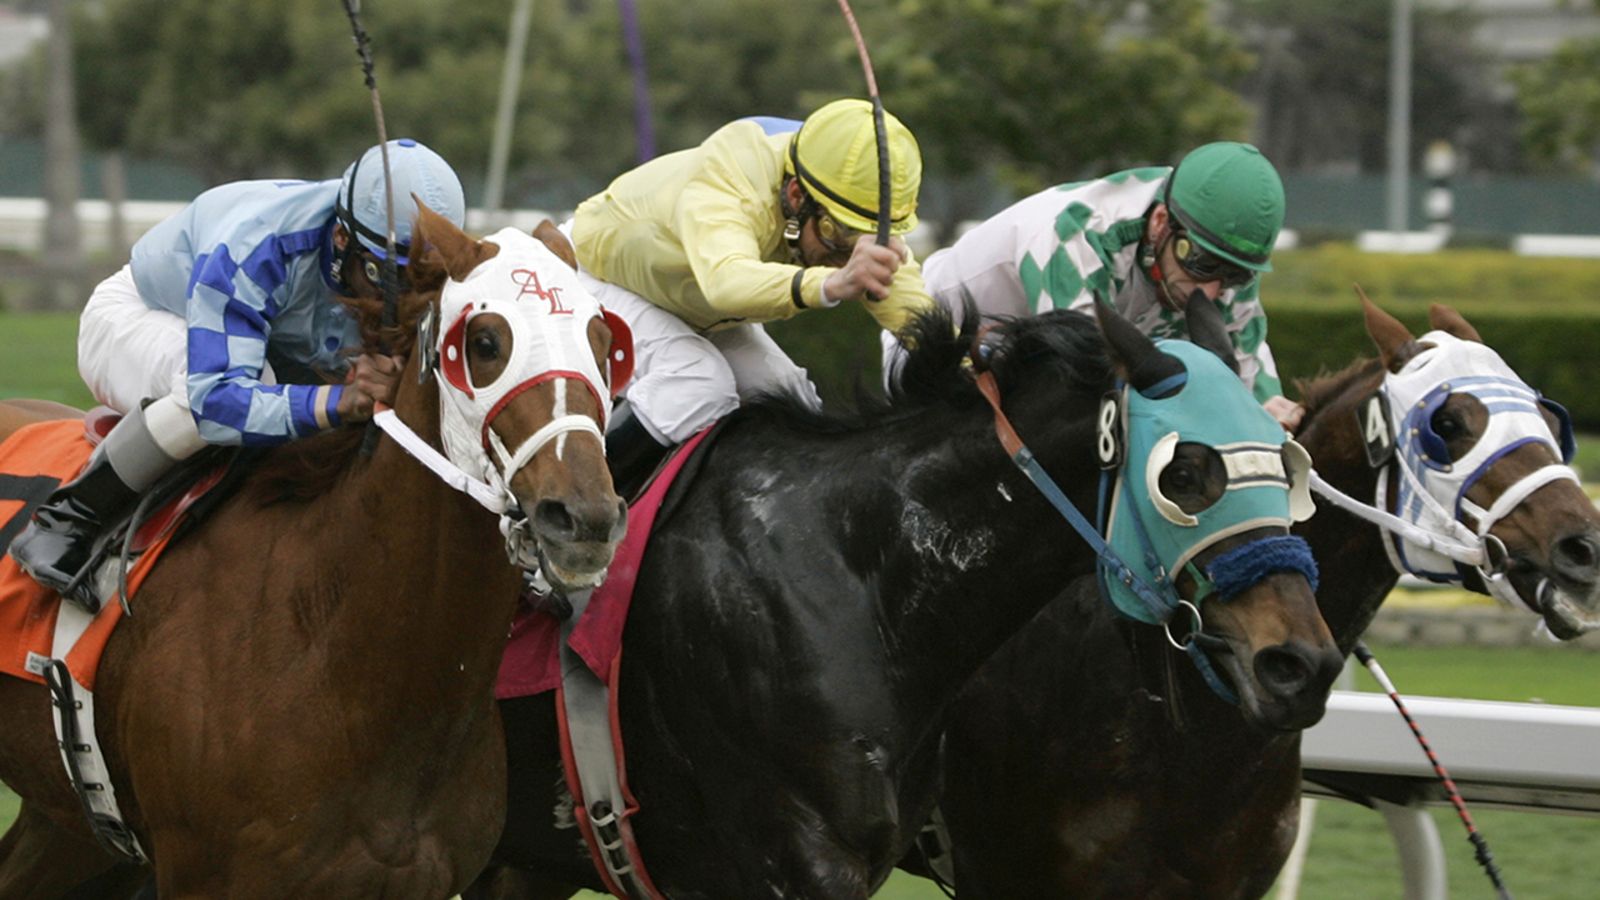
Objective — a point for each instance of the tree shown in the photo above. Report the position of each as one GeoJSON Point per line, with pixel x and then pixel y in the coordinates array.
{"type": "Point", "coordinates": [1322, 88]}
{"type": "Point", "coordinates": [1053, 90]}
{"type": "Point", "coordinates": [1560, 100]}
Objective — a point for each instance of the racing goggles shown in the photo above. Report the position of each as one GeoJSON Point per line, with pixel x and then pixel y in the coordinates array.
{"type": "Point", "coordinates": [1205, 266]}
{"type": "Point", "coordinates": [835, 238]}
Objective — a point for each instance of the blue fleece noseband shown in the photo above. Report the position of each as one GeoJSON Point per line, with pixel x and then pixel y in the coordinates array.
{"type": "Point", "coordinates": [1243, 566]}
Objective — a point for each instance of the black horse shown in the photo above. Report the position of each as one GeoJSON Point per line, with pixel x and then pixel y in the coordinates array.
{"type": "Point", "coordinates": [1081, 764]}
{"type": "Point", "coordinates": [810, 605]}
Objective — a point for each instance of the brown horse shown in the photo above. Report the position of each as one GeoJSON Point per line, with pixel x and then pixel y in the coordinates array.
{"type": "Point", "coordinates": [1093, 773]}
{"type": "Point", "coordinates": [301, 704]}
{"type": "Point", "coordinates": [817, 595]}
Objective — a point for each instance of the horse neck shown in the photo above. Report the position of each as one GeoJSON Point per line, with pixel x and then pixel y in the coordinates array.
{"type": "Point", "coordinates": [436, 559]}
{"type": "Point", "coordinates": [1355, 572]}
{"type": "Point", "coordinates": [978, 553]}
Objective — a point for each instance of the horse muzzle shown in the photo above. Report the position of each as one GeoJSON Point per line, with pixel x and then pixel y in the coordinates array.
{"type": "Point", "coordinates": [1564, 588]}
{"type": "Point", "coordinates": [577, 536]}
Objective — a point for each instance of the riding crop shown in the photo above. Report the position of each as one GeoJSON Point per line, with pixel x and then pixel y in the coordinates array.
{"type": "Point", "coordinates": [878, 127]}
{"type": "Point", "coordinates": [1484, 856]}
{"type": "Point", "coordinates": [390, 277]}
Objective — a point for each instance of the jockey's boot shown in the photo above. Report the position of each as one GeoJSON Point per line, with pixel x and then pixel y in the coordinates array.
{"type": "Point", "coordinates": [58, 541]}
{"type": "Point", "coordinates": [632, 452]}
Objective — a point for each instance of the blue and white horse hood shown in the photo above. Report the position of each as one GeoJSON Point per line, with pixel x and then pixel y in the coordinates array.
{"type": "Point", "coordinates": [1268, 473]}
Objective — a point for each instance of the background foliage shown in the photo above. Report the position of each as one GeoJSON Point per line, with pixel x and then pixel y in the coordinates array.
{"type": "Point", "coordinates": [1027, 93]}
{"type": "Point", "coordinates": [1539, 313]}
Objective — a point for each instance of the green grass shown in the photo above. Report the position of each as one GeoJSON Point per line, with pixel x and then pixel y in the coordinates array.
{"type": "Point", "coordinates": [38, 358]}
{"type": "Point", "coordinates": [1566, 675]}
{"type": "Point", "coordinates": [1548, 857]}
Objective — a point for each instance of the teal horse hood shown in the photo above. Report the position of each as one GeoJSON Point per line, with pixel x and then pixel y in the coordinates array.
{"type": "Point", "coordinates": [1267, 472]}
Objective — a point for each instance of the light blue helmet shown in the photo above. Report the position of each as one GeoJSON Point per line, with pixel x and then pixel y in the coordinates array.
{"type": "Point", "coordinates": [362, 206]}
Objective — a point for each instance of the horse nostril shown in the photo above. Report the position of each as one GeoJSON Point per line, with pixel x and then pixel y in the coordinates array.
{"type": "Point", "coordinates": [1283, 669]}
{"type": "Point", "coordinates": [1578, 556]}
{"type": "Point", "coordinates": [551, 518]}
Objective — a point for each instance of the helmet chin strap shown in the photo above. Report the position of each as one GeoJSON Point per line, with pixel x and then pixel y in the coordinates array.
{"type": "Point", "coordinates": [795, 219]}
{"type": "Point", "coordinates": [1150, 261]}
{"type": "Point", "coordinates": [343, 261]}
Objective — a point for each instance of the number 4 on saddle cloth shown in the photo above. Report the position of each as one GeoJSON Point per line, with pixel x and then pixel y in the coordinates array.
{"type": "Point", "coordinates": [33, 462]}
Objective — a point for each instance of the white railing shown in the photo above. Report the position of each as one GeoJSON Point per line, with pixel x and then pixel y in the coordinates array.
{"type": "Point", "coordinates": [1528, 756]}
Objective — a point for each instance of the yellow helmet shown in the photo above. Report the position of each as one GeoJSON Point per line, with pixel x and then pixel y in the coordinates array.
{"type": "Point", "coordinates": [835, 157]}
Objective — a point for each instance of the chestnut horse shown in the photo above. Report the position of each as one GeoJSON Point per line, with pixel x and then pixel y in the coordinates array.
{"type": "Point", "coordinates": [812, 601]}
{"type": "Point", "coordinates": [301, 703]}
{"type": "Point", "coordinates": [1093, 773]}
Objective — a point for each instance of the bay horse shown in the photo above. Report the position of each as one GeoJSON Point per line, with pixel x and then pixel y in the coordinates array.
{"type": "Point", "coordinates": [300, 703]}
{"type": "Point", "coordinates": [810, 603]}
{"type": "Point", "coordinates": [1098, 773]}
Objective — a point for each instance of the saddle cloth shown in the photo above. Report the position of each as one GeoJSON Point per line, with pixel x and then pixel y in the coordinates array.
{"type": "Point", "coordinates": [33, 462]}
{"type": "Point", "coordinates": [532, 660]}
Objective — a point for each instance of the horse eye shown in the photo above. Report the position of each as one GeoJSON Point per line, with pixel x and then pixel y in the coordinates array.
{"type": "Point", "coordinates": [1195, 478]}
{"type": "Point", "coordinates": [1447, 425]}
{"type": "Point", "coordinates": [485, 346]}
{"type": "Point", "coordinates": [1181, 477]}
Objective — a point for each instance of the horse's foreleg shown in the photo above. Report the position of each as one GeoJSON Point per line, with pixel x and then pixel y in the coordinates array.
{"type": "Point", "coordinates": [40, 859]}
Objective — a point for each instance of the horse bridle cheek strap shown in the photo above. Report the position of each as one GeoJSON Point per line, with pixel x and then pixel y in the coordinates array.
{"type": "Point", "coordinates": [1430, 488]}
{"type": "Point", "coordinates": [1109, 563]}
{"type": "Point", "coordinates": [561, 422]}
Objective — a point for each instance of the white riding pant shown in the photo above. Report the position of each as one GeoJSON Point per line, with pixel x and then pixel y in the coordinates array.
{"type": "Point", "coordinates": [129, 351]}
{"type": "Point", "coordinates": [684, 380]}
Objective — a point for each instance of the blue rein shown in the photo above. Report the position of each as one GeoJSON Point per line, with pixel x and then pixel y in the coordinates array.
{"type": "Point", "coordinates": [1229, 574]}
{"type": "Point", "coordinates": [1110, 565]}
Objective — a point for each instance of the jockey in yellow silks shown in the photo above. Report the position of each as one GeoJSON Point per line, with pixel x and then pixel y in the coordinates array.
{"type": "Point", "coordinates": [765, 218]}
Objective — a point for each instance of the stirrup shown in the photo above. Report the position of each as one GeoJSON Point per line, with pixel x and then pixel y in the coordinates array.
{"type": "Point", "coordinates": [80, 590]}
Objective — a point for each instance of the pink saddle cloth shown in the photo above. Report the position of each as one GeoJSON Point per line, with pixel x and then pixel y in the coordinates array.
{"type": "Point", "coordinates": [532, 660]}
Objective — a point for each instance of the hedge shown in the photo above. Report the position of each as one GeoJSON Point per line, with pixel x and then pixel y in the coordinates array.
{"type": "Point", "coordinates": [1542, 315]}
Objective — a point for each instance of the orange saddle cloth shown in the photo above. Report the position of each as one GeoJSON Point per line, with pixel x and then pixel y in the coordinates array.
{"type": "Point", "coordinates": [33, 461]}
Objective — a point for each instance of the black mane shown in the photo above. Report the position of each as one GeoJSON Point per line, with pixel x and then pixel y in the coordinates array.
{"type": "Point", "coordinates": [1059, 346]}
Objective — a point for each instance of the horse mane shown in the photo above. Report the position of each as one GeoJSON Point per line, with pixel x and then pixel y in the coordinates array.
{"type": "Point", "coordinates": [1327, 388]}
{"type": "Point", "coordinates": [302, 470]}
{"type": "Point", "coordinates": [1060, 346]}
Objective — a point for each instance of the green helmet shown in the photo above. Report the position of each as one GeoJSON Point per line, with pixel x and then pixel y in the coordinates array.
{"type": "Point", "coordinates": [1230, 200]}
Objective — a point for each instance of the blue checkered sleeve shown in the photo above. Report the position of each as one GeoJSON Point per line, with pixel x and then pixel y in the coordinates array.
{"type": "Point", "coordinates": [230, 311]}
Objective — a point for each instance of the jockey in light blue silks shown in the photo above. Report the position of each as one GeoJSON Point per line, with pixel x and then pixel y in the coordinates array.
{"type": "Point", "coordinates": [226, 328]}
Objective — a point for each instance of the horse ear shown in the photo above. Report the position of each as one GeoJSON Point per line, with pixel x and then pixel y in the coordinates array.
{"type": "Point", "coordinates": [456, 250]}
{"type": "Point", "coordinates": [1136, 356]}
{"type": "Point", "coordinates": [1206, 328]}
{"type": "Point", "coordinates": [552, 237]}
{"type": "Point", "coordinates": [1452, 323]}
{"type": "Point", "coordinates": [1387, 333]}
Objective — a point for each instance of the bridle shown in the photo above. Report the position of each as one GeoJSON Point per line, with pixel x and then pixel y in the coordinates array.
{"type": "Point", "coordinates": [1426, 534]}
{"type": "Point", "coordinates": [1145, 589]}
{"type": "Point", "coordinates": [549, 325]}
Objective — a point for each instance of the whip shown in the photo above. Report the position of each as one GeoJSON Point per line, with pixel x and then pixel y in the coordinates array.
{"type": "Point", "coordinates": [1484, 856]}
{"type": "Point", "coordinates": [879, 130]}
{"type": "Point", "coordinates": [389, 278]}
